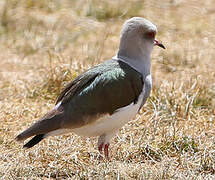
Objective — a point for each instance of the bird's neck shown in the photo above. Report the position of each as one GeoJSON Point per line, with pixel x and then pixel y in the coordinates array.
{"type": "Point", "coordinates": [138, 60]}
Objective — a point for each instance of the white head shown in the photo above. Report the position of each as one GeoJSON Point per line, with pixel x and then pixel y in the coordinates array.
{"type": "Point", "coordinates": [137, 39]}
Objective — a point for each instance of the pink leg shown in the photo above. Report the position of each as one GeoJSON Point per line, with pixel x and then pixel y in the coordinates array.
{"type": "Point", "coordinates": [103, 142]}
{"type": "Point", "coordinates": [106, 151]}
{"type": "Point", "coordinates": [101, 147]}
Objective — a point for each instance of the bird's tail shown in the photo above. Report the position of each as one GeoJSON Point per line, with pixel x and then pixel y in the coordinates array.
{"type": "Point", "coordinates": [36, 139]}
{"type": "Point", "coordinates": [50, 122]}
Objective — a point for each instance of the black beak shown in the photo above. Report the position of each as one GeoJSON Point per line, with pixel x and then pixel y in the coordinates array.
{"type": "Point", "coordinates": [157, 43]}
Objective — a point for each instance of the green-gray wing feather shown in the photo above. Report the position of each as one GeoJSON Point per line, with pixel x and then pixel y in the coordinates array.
{"type": "Point", "coordinates": [101, 90]}
{"type": "Point", "coordinates": [75, 86]}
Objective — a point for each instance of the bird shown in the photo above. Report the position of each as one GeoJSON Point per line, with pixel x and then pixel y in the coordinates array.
{"type": "Point", "coordinates": [101, 100]}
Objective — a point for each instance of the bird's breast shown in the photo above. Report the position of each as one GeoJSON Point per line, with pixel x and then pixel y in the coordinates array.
{"type": "Point", "coordinates": [109, 123]}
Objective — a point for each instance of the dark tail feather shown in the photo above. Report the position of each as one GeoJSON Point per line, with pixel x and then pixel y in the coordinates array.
{"type": "Point", "coordinates": [36, 139]}
{"type": "Point", "coordinates": [50, 122]}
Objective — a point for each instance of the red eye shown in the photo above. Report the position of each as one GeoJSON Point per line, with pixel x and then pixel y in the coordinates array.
{"type": "Point", "coordinates": [151, 34]}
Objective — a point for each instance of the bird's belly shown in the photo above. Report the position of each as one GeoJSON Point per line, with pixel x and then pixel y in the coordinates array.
{"type": "Point", "coordinates": [110, 123]}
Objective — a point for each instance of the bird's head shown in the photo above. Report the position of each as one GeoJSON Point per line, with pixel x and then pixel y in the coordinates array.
{"type": "Point", "coordinates": [138, 35]}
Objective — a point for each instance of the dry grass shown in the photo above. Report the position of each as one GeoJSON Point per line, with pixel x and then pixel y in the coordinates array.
{"type": "Point", "coordinates": [45, 44]}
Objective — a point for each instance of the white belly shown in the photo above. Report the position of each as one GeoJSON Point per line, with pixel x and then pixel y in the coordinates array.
{"type": "Point", "coordinates": [110, 123]}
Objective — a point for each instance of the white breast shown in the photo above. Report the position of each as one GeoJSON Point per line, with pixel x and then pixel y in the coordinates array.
{"type": "Point", "coordinates": [110, 123]}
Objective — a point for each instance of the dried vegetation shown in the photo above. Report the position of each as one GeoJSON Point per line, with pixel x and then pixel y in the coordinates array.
{"type": "Point", "coordinates": [45, 44]}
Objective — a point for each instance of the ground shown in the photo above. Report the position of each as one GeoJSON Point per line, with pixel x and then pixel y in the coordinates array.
{"type": "Point", "coordinates": [46, 44]}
